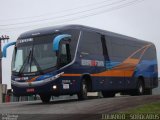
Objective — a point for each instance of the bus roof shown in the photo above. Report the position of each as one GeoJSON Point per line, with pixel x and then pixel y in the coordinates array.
{"type": "Point", "coordinates": [50, 30]}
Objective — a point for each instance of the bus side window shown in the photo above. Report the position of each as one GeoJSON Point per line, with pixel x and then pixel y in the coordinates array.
{"type": "Point", "coordinates": [64, 55]}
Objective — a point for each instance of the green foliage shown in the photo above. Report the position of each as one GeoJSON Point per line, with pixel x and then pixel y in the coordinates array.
{"type": "Point", "coordinates": [148, 108]}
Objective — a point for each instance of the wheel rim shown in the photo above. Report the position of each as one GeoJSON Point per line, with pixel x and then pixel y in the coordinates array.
{"type": "Point", "coordinates": [141, 89]}
{"type": "Point", "coordinates": [84, 89]}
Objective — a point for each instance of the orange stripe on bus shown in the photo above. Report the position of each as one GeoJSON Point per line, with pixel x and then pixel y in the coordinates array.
{"type": "Point", "coordinates": [114, 73]}
{"type": "Point", "coordinates": [71, 75]}
{"type": "Point", "coordinates": [33, 79]}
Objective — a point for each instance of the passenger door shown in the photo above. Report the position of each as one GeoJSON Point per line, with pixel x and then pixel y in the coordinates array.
{"type": "Point", "coordinates": [64, 54]}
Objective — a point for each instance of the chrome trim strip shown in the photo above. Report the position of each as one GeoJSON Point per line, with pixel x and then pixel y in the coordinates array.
{"type": "Point", "coordinates": [36, 83]}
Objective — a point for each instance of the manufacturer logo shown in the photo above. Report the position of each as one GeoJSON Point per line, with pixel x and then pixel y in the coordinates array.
{"type": "Point", "coordinates": [92, 63]}
{"type": "Point", "coordinates": [21, 78]}
{"type": "Point", "coordinates": [24, 40]}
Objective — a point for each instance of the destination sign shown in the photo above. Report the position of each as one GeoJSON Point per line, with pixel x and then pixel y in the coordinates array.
{"type": "Point", "coordinates": [24, 40]}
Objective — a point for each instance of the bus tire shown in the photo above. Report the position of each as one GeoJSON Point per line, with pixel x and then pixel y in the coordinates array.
{"type": "Point", "coordinates": [140, 88]}
{"type": "Point", "coordinates": [82, 95]}
{"type": "Point", "coordinates": [108, 94]}
{"type": "Point", "coordinates": [45, 98]}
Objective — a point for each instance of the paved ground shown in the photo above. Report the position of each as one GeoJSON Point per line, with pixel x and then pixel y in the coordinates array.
{"type": "Point", "coordinates": [67, 109]}
{"type": "Point", "coordinates": [72, 109]}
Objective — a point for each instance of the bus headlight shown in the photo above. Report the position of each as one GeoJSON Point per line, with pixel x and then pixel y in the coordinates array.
{"type": "Point", "coordinates": [54, 87]}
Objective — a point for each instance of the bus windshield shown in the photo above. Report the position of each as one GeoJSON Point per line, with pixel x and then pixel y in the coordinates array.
{"type": "Point", "coordinates": [34, 56]}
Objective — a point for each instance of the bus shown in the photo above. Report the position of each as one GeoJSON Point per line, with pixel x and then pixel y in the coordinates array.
{"type": "Point", "coordinates": [77, 59]}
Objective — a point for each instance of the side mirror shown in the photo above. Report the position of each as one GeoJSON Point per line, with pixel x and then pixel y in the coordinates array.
{"type": "Point", "coordinates": [4, 53]}
{"type": "Point", "coordinates": [58, 39]}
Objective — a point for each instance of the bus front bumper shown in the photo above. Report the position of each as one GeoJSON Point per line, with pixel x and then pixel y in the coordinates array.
{"type": "Point", "coordinates": [50, 88]}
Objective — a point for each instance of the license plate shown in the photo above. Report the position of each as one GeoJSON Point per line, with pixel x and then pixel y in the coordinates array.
{"type": "Point", "coordinates": [30, 90]}
{"type": "Point", "coordinates": [65, 86]}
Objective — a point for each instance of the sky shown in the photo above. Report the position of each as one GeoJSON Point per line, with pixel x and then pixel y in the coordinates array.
{"type": "Point", "coordinates": [135, 18]}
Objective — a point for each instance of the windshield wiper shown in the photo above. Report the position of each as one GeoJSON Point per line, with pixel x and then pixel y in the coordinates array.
{"type": "Point", "coordinates": [37, 64]}
{"type": "Point", "coordinates": [25, 63]}
{"type": "Point", "coordinates": [29, 59]}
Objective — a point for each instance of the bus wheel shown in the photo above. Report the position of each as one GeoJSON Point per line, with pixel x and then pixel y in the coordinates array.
{"type": "Point", "coordinates": [140, 88]}
{"type": "Point", "coordinates": [82, 95]}
{"type": "Point", "coordinates": [45, 98]}
{"type": "Point", "coordinates": [108, 94]}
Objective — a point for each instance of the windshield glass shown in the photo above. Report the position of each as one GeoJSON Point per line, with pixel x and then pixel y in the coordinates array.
{"type": "Point", "coordinates": [34, 56]}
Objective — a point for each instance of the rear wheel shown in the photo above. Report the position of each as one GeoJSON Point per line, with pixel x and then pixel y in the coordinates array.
{"type": "Point", "coordinates": [82, 95]}
{"type": "Point", "coordinates": [140, 89]}
{"type": "Point", "coordinates": [45, 98]}
{"type": "Point", "coordinates": [108, 94]}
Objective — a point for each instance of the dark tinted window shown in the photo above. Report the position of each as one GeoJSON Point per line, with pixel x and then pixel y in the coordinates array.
{"type": "Point", "coordinates": [74, 39]}
{"type": "Point", "coordinates": [109, 47]}
{"type": "Point", "coordinates": [150, 54]}
{"type": "Point", "coordinates": [117, 45]}
{"type": "Point", "coordinates": [91, 44]}
{"type": "Point", "coordinates": [104, 46]}
{"type": "Point", "coordinates": [130, 49]}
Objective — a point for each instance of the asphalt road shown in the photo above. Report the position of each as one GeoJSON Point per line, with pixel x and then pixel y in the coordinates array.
{"type": "Point", "coordinates": [74, 109]}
